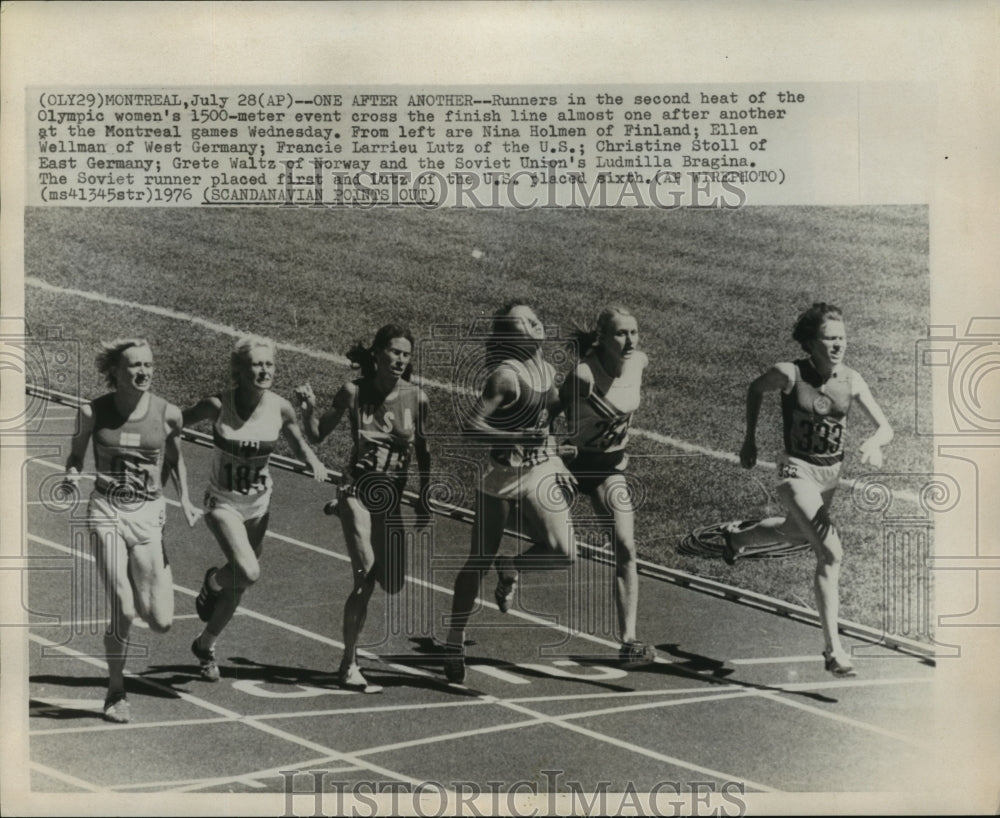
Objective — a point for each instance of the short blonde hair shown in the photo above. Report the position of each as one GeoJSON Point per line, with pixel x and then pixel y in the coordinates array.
{"type": "Point", "coordinates": [111, 355]}
{"type": "Point", "coordinates": [243, 348]}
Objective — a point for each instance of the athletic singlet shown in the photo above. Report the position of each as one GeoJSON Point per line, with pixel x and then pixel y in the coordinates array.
{"type": "Point", "coordinates": [814, 414]}
{"type": "Point", "coordinates": [128, 454]}
{"type": "Point", "coordinates": [528, 412]}
{"type": "Point", "coordinates": [242, 448]}
{"type": "Point", "coordinates": [601, 419]}
{"type": "Point", "coordinates": [383, 429]}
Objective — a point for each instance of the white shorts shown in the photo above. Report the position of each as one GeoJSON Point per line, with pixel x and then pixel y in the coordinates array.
{"type": "Point", "coordinates": [549, 483]}
{"type": "Point", "coordinates": [245, 506]}
{"type": "Point", "coordinates": [826, 478]}
{"type": "Point", "coordinates": [138, 524]}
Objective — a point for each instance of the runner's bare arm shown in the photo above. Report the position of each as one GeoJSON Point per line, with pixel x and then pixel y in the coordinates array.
{"type": "Point", "coordinates": [423, 455]}
{"type": "Point", "coordinates": [871, 449]}
{"type": "Point", "coordinates": [205, 409]}
{"type": "Point", "coordinates": [173, 464]}
{"type": "Point", "coordinates": [317, 427]}
{"type": "Point", "coordinates": [293, 434]}
{"type": "Point", "coordinates": [78, 446]}
{"type": "Point", "coordinates": [775, 378]}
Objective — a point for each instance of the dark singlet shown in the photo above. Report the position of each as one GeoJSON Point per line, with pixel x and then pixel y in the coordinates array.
{"type": "Point", "coordinates": [814, 414]}
{"type": "Point", "coordinates": [383, 430]}
{"type": "Point", "coordinates": [128, 454]}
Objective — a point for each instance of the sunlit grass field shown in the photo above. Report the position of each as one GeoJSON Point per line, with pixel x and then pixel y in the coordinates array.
{"type": "Point", "coordinates": [715, 295]}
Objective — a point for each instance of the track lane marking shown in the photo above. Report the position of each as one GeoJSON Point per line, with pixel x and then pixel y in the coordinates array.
{"type": "Point", "coordinates": [41, 732]}
{"type": "Point", "coordinates": [863, 725]}
{"type": "Point", "coordinates": [635, 748]}
{"type": "Point", "coordinates": [232, 715]}
{"type": "Point", "coordinates": [66, 778]}
{"type": "Point", "coordinates": [562, 721]}
{"type": "Point", "coordinates": [250, 779]}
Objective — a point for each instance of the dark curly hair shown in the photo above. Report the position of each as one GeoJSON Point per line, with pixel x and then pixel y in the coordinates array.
{"type": "Point", "coordinates": [363, 357]}
{"type": "Point", "coordinates": [808, 323]}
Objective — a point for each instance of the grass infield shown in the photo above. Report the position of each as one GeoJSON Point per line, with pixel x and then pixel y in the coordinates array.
{"type": "Point", "coordinates": [715, 294]}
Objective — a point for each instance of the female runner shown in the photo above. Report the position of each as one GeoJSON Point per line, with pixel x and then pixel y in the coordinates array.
{"type": "Point", "coordinates": [513, 414]}
{"type": "Point", "coordinates": [136, 437]}
{"type": "Point", "coordinates": [387, 414]}
{"type": "Point", "coordinates": [817, 393]}
{"type": "Point", "coordinates": [599, 397]}
{"type": "Point", "coordinates": [246, 422]}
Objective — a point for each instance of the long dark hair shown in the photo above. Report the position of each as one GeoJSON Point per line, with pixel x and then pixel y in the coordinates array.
{"type": "Point", "coordinates": [500, 344]}
{"type": "Point", "coordinates": [363, 357]}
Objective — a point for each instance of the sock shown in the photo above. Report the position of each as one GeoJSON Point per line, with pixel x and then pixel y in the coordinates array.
{"type": "Point", "coordinates": [207, 639]}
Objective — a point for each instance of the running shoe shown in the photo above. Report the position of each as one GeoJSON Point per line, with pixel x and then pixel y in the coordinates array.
{"type": "Point", "coordinates": [454, 664]}
{"type": "Point", "coordinates": [353, 679]}
{"type": "Point", "coordinates": [636, 654]}
{"type": "Point", "coordinates": [204, 603]}
{"type": "Point", "coordinates": [837, 669]}
{"type": "Point", "coordinates": [116, 709]}
{"type": "Point", "coordinates": [506, 580]}
{"type": "Point", "coordinates": [209, 667]}
{"type": "Point", "coordinates": [729, 551]}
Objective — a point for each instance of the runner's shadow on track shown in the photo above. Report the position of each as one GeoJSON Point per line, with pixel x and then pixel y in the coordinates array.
{"type": "Point", "coordinates": [713, 671]}
{"type": "Point", "coordinates": [249, 669]}
{"type": "Point", "coordinates": [39, 708]}
{"type": "Point", "coordinates": [429, 655]}
{"type": "Point", "coordinates": [133, 684]}
{"type": "Point", "coordinates": [246, 669]}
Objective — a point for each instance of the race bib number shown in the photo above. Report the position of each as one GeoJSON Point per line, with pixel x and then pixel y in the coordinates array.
{"type": "Point", "coordinates": [387, 459]}
{"type": "Point", "coordinates": [609, 433]}
{"type": "Point", "coordinates": [816, 435]}
{"type": "Point", "coordinates": [244, 479]}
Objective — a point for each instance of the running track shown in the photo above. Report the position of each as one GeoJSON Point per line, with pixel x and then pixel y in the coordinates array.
{"type": "Point", "coordinates": [739, 695]}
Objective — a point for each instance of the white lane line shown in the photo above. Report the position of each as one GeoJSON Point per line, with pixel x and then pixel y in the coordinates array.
{"type": "Point", "coordinates": [771, 695]}
{"type": "Point", "coordinates": [775, 660]}
{"type": "Point", "coordinates": [863, 725]}
{"type": "Point", "coordinates": [539, 719]}
{"type": "Point", "coordinates": [66, 778]}
{"type": "Point", "coordinates": [249, 721]}
{"type": "Point", "coordinates": [102, 623]}
{"type": "Point", "coordinates": [838, 684]}
{"type": "Point", "coordinates": [732, 693]}
{"type": "Point", "coordinates": [97, 707]}
{"type": "Point", "coordinates": [560, 721]}
{"type": "Point", "coordinates": [252, 779]}
{"type": "Point", "coordinates": [340, 360]}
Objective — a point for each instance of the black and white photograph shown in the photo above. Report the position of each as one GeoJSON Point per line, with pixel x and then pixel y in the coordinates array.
{"type": "Point", "coordinates": [401, 419]}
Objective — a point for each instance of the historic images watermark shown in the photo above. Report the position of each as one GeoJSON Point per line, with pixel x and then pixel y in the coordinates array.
{"type": "Point", "coordinates": [299, 185]}
{"type": "Point", "coordinates": [551, 794]}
